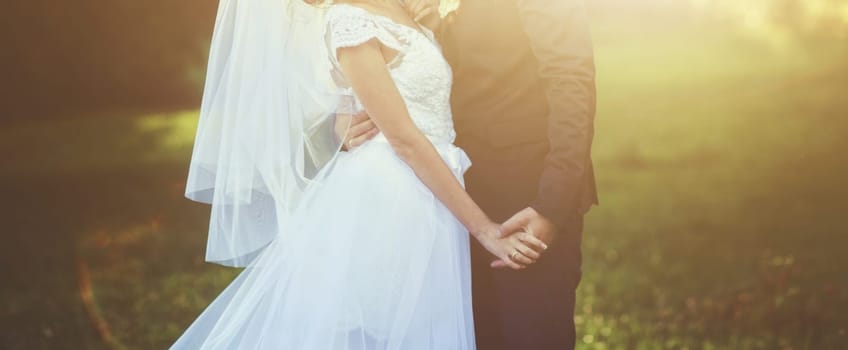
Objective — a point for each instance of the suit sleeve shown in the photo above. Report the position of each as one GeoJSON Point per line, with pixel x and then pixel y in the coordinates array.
{"type": "Point", "coordinates": [558, 32]}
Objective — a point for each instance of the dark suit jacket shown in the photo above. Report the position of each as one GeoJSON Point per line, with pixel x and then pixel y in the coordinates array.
{"type": "Point", "coordinates": [524, 75]}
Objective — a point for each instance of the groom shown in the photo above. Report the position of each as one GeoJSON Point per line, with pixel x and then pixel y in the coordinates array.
{"type": "Point", "coordinates": [523, 103]}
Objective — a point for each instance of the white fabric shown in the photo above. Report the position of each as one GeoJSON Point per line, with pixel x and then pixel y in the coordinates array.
{"type": "Point", "coordinates": [265, 123]}
{"type": "Point", "coordinates": [370, 259]}
{"type": "Point", "coordinates": [428, 92]}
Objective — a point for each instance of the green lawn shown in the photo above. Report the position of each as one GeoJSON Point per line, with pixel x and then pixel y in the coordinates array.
{"type": "Point", "coordinates": [723, 180]}
{"type": "Point", "coordinates": [723, 184]}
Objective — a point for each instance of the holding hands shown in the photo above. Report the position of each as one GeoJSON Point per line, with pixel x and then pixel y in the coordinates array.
{"type": "Point", "coordinates": [515, 251]}
{"type": "Point", "coordinates": [527, 226]}
{"type": "Point", "coordinates": [516, 243]}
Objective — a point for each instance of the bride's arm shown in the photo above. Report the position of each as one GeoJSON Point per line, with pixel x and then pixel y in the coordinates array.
{"type": "Point", "coordinates": [365, 69]}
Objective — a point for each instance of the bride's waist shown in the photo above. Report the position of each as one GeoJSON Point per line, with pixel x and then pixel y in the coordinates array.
{"type": "Point", "coordinates": [440, 139]}
{"type": "Point", "coordinates": [454, 156]}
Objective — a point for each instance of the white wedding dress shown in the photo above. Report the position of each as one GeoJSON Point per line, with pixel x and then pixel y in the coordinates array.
{"type": "Point", "coordinates": [372, 260]}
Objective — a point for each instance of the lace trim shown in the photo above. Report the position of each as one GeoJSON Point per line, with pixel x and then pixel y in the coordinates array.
{"type": "Point", "coordinates": [350, 26]}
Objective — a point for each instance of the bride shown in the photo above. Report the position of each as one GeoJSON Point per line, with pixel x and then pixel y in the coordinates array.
{"type": "Point", "coordinates": [366, 249]}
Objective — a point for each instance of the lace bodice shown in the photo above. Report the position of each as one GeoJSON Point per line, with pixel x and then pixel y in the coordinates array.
{"type": "Point", "coordinates": [420, 72]}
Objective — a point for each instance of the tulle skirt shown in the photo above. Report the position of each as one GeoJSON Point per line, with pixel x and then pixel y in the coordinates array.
{"type": "Point", "coordinates": [372, 261]}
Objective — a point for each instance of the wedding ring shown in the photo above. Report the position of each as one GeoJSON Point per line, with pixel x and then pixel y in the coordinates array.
{"type": "Point", "coordinates": [513, 255]}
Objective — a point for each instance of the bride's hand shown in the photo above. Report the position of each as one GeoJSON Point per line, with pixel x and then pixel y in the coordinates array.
{"type": "Point", "coordinates": [513, 251]}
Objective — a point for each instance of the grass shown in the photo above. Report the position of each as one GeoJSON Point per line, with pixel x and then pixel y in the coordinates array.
{"type": "Point", "coordinates": [723, 186]}
{"type": "Point", "coordinates": [723, 190]}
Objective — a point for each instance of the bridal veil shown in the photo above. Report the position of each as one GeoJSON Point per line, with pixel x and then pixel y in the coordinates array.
{"type": "Point", "coordinates": [265, 129]}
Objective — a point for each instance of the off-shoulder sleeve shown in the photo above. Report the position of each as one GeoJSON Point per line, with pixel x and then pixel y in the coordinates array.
{"type": "Point", "coordinates": [348, 26]}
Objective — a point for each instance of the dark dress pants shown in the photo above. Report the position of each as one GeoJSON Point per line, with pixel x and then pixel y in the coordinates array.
{"type": "Point", "coordinates": [533, 308]}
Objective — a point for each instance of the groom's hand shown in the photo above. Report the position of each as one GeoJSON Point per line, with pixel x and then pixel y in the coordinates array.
{"type": "Point", "coordinates": [528, 222]}
{"type": "Point", "coordinates": [354, 130]}
{"type": "Point", "coordinates": [420, 9]}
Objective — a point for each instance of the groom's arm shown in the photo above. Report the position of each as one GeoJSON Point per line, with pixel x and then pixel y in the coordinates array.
{"type": "Point", "coordinates": [558, 31]}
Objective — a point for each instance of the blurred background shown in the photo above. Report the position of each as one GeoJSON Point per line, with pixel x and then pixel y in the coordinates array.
{"type": "Point", "coordinates": [721, 142]}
